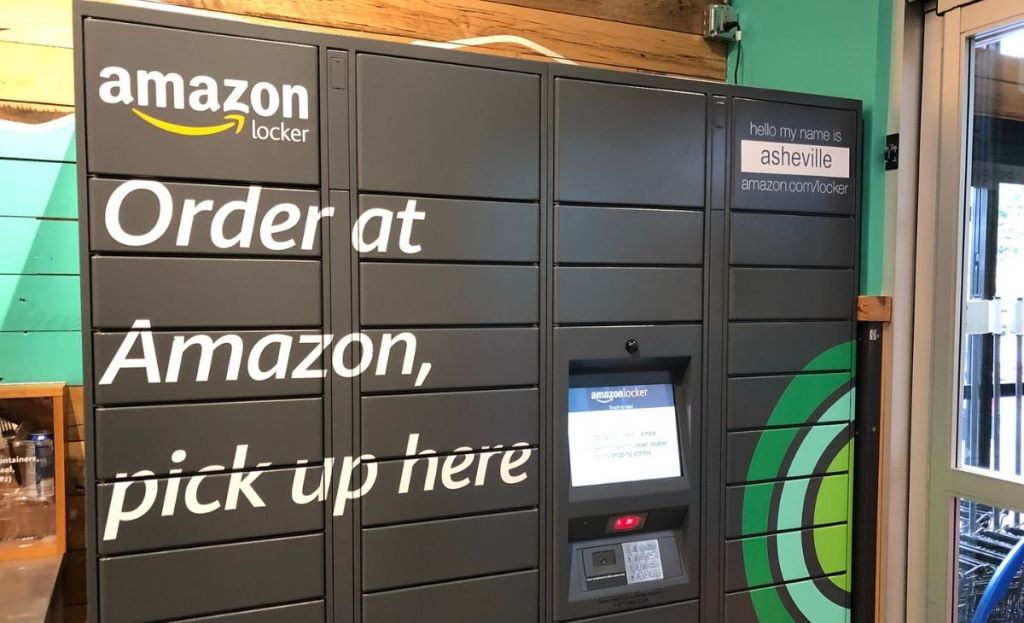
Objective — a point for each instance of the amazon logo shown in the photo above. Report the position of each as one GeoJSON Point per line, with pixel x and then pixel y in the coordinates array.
{"type": "Point", "coordinates": [233, 103]}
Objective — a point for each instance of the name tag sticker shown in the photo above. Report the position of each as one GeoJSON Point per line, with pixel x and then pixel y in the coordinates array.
{"type": "Point", "coordinates": [794, 159]}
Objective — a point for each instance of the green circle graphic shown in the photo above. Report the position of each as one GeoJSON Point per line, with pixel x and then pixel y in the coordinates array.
{"type": "Point", "coordinates": [790, 455]}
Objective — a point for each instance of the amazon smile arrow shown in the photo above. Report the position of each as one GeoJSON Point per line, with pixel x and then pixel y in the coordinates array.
{"type": "Point", "coordinates": [233, 121]}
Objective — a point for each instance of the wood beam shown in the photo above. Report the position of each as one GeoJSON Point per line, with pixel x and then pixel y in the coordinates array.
{"type": "Point", "coordinates": [874, 308]}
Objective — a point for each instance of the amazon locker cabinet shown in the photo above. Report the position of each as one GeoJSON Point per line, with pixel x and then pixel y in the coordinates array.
{"type": "Point", "coordinates": [377, 332]}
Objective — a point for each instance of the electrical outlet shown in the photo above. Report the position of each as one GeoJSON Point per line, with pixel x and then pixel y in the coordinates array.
{"type": "Point", "coordinates": [721, 22]}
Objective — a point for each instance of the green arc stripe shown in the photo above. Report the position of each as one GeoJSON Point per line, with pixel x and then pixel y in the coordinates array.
{"type": "Point", "coordinates": [814, 605]}
{"type": "Point", "coordinates": [805, 394]}
{"type": "Point", "coordinates": [812, 449]}
{"type": "Point", "coordinates": [791, 504]}
{"type": "Point", "coordinates": [798, 403]}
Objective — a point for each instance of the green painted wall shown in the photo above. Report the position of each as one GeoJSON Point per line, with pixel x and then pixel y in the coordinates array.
{"type": "Point", "coordinates": [40, 312]}
{"type": "Point", "coordinates": [828, 47]}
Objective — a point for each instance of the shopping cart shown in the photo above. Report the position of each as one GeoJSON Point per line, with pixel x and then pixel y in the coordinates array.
{"type": "Point", "coordinates": [991, 571]}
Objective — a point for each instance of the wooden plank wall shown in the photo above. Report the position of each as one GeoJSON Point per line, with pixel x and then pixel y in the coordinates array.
{"type": "Point", "coordinates": [39, 305]}
{"type": "Point", "coordinates": [40, 323]}
{"type": "Point", "coordinates": [645, 35]}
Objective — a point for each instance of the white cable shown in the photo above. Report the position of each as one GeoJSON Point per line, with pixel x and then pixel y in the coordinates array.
{"type": "Point", "coordinates": [492, 39]}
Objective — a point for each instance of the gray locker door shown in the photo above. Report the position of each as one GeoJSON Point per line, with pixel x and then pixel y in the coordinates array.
{"type": "Point", "coordinates": [235, 153]}
{"type": "Point", "coordinates": [178, 292]}
{"type": "Point", "coordinates": [791, 294]}
{"type": "Point", "coordinates": [474, 486]}
{"type": "Point", "coordinates": [280, 432]}
{"type": "Point", "coordinates": [619, 144]}
{"type": "Point", "coordinates": [673, 613]}
{"type": "Point", "coordinates": [590, 235]}
{"type": "Point", "coordinates": [443, 129]}
{"type": "Point", "coordinates": [133, 385]}
{"type": "Point", "coordinates": [446, 421]}
{"type": "Point", "coordinates": [781, 347]}
{"type": "Point", "coordinates": [628, 295]}
{"type": "Point", "coordinates": [739, 607]}
{"type": "Point", "coordinates": [735, 574]}
{"type": "Point", "coordinates": [208, 580]}
{"type": "Point", "coordinates": [511, 598]}
{"type": "Point", "coordinates": [741, 446]}
{"type": "Point", "coordinates": [175, 525]}
{"type": "Point", "coordinates": [459, 229]}
{"type": "Point", "coordinates": [416, 294]}
{"type": "Point", "coordinates": [465, 358]}
{"type": "Point", "coordinates": [787, 240]}
{"type": "Point", "coordinates": [435, 551]}
{"type": "Point", "coordinates": [735, 498]}
{"type": "Point", "coordinates": [308, 612]}
{"type": "Point", "coordinates": [753, 399]}
{"type": "Point", "coordinates": [228, 211]}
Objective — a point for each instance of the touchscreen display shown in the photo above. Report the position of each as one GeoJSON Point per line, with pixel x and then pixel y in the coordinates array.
{"type": "Point", "coordinates": [622, 433]}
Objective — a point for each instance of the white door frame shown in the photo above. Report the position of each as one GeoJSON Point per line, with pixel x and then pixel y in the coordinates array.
{"type": "Point", "coordinates": [936, 481]}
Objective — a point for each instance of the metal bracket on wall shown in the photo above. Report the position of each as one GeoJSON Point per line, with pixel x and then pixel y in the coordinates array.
{"type": "Point", "coordinates": [892, 152]}
{"type": "Point", "coordinates": [984, 316]}
{"type": "Point", "coordinates": [721, 23]}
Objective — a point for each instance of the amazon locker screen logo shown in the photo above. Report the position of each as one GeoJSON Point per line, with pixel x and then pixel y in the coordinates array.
{"type": "Point", "coordinates": [260, 110]}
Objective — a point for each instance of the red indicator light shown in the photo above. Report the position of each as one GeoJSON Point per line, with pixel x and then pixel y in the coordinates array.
{"type": "Point", "coordinates": [626, 522]}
